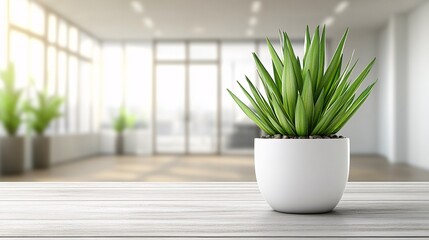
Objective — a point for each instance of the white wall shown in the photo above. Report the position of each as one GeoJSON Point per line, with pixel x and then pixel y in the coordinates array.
{"type": "Point", "coordinates": [362, 127]}
{"type": "Point", "coordinates": [393, 98]}
{"type": "Point", "coordinates": [418, 79]}
{"type": "Point", "coordinates": [385, 83]}
{"type": "Point", "coordinates": [403, 50]}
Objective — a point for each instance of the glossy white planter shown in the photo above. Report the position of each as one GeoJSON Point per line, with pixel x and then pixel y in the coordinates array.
{"type": "Point", "coordinates": [302, 175]}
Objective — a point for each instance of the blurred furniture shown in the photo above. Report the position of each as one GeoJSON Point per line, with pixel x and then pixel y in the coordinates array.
{"type": "Point", "coordinates": [242, 136]}
{"type": "Point", "coordinates": [199, 210]}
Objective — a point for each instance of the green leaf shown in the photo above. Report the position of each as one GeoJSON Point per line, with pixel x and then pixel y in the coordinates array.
{"type": "Point", "coordinates": [295, 61]}
{"type": "Point", "coordinates": [251, 114]}
{"type": "Point", "coordinates": [258, 108]}
{"type": "Point", "coordinates": [283, 119]}
{"type": "Point", "coordinates": [301, 123]}
{"type": "Point", "coordinates": [307, 42]}
{"type": "Point", "coordinates": [311, 63]}
{"type": "Point", "coordinates": [318, 107]}
{"type": "Point", "coordinates": [358, 81]}
{"type": "Point", "coordinates": [275, 57]}
{"type": "Point", "coordinates": [355, 106]}
{"type": "Point", "coordinates": [11, 106]}
{"type": "Point", "coordinates": [289, 88]}
{"type": "Point", "coordinates": [307, 98]}
{"type": "Point", "coordinates": [334, 64]}
{"type": "Point", "coordinates": [267, 79]}
{"type": "Point", "coordinates": [277, 78]}
{"type": "Point", "coordinates": [259, 98]}
{"type": "Point", "coordinates": [321, 60]}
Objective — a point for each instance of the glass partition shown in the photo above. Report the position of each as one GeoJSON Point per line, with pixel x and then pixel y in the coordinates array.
{"type": "Point", "coordinates": [170, 108]}
{"type": "Point", "coordinates": [202, 124]}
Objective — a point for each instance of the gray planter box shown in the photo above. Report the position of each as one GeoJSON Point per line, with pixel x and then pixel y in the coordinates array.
{"type": "Point", "coordinates": [54, 149]}
{"type": "Point", "coordinates": [12, 155]}
{"type": "Point", "coordinates": [41, 152]}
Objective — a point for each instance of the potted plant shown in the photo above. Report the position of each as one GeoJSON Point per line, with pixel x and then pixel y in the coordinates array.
{"type": "Point", "coordinates": [42, 113]}
{"type": "Point", "coordinates": [121, 122]}
{"type": "Point", "coordinates": [11, 109]}
{"type": "Point", "coordinates": [301, 165]}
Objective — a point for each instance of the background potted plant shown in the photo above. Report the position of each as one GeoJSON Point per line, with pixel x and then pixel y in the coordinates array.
{"type": "Point", "coordinates": [11, 109]}
{"type": "Point", "coordinates": [302, 166]}
{"type": "Point", "coordinates": [42, 113]}
{"type": "Point", "coordinates": [121, 122]}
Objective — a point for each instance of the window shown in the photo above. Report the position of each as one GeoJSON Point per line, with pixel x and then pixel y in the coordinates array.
{"type": "Point", "coordinates": [73, 39]}
{"type": "Point", "coordinates": [37, 21]}
{"type": "Point", "coordinates": [52, 70]}
{"type": "Point", "coordinates": [62, 33]}
{"type": "Point", "coordinates": [52, 28]}
{"type": "Point", "coordinates": [3, 34]}
{"type": "Point", "coordinates": [62, 89]}
{"type": "Point", "coordinates": [138, 91]}
{"type": "Point", "coordinates": [171, 51]}
{"type": "Point", "coordinates": [203, 51]}
{"type": "Point", "coordinates": [72, 95]}
{"type": "Point", "coordinates": [113, 80]}
{"type": "Point", "coordinates": [86, 45]}
{"type": "Point", "coordinates": [37, 70]}
{"type": "Point", "coordinates": [36, 35]}
{"type": "Point", "coordinates": [96, 93]}
{"type": "Point", "coordinates": [85, 88]}
{"type": "Point", "coordinates": [19, 10]}
{"type": "Point", "coordinates": [19, 52]}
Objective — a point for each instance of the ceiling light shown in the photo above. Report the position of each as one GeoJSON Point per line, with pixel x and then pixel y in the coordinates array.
{"type": "Point", "coordinates": [256, 6]}
{"type": "Point", "coordinates": [198, 29]}
{"type": "Point", "coordinates": [328, 21]}
{"type": "Point", "coordinates": [253, 21]}
{"type": "Point", "coordinates": [136, 6]}
{"type": "Point", "coordinates": [249, 32]}
{"type": "Point", "coordinates": [341, 7]}
{"type": "Point", "coordinates": [148, 22]}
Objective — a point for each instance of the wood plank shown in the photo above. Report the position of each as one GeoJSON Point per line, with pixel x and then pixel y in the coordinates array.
{"type": "Point", "coordinates": [192, 192]}
{"type": "Point", "coordinates": [197, 238]}
{"type": "Point", "coordinates": [187, 184]}
{"type": "Point", "coordinates": [209, 219]}
{"type": "Point", "coordinates": [200, 210]}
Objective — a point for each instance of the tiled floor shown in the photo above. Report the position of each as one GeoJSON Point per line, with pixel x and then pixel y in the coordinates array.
{"type": "Point", "coordinates": [200, 168]}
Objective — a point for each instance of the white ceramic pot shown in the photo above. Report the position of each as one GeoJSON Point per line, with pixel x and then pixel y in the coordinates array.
{"type": "Point", "coordinates": [302, 175]}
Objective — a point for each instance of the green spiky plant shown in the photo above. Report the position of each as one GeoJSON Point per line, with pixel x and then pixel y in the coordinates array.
{"type": "Point", "coordinates": [305, 100]}
{"type": "Point", "coordinates": [44, 112]}
{"type": "Point", "coordinates": [11, 107]}
{"type": "Point", "coordinates": [123, 121]}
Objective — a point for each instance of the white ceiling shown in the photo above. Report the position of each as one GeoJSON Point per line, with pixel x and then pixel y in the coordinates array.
{"type": "Point", "coordinates": [221, 19]}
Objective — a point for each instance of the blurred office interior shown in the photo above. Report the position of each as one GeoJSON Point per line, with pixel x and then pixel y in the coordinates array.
{"type": "Point", "coordinates": [167, 64]}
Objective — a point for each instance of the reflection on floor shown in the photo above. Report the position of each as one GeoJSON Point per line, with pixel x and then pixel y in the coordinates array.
{"type": "Point", "coordinates": [201, 168]}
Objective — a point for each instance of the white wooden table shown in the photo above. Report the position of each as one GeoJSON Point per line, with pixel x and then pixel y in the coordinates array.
{"type": "Point", "coordinates": [203, 210]}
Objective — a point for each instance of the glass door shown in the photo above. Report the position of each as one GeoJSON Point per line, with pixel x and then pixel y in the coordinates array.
{"type": "Point", "coordinates": [186, 101]}
{"type": "Point", "coordinates": [170, 109]}
{"type": "Point", "coordinates": [202, 124]}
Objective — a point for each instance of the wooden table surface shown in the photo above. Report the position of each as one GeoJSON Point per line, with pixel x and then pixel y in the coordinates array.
{"type": "Point", "coordinates": [204, 210]}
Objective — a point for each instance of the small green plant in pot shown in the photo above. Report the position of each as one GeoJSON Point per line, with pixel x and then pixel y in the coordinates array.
{"type": "Point", "coordinates": [11, 111]}
{"type": "Point", "coordinates": [121, 122]}
{"type": "Point", "coordinates": [301, 165]}
{"type": "Point", "coordinates": [41, 114]}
